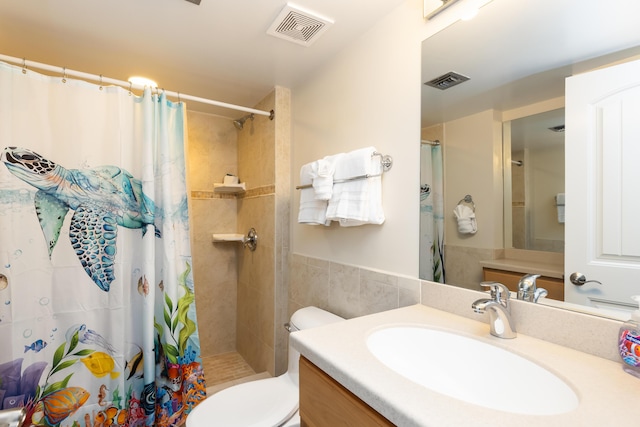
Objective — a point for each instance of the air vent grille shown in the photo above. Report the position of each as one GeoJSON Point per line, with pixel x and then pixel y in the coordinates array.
{"type": "Point", "coordinates": [447, 80]}
{"type": "Point", "coordinates": [298, 26]}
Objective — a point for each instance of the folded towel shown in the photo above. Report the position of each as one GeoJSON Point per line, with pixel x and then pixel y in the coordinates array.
{"type": "Point", "coordinates": [323, 180]}
{"type": "Point", "coordinates": [357, 202]}
{"type": "Point", "coordinates": [466, 219]}
{"type": "Point", "coordinates": [312, 211]}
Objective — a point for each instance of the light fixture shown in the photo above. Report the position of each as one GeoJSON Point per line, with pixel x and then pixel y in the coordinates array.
{"type": "Point", "coordinates": [142, 81]}
{"type": "Point", "coordinates": [445, 5]}
{"type": "Point", "coordinates": [466, 11]}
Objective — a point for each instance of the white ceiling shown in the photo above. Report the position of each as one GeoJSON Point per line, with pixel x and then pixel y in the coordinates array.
{"type": "Point", "coordinates": [217, 50]}
{"type": "Point", "coordinates": [517, 52]}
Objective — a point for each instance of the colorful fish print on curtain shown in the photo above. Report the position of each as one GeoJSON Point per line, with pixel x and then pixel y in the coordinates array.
{"type": "Point", "coordinates": [97, 311]}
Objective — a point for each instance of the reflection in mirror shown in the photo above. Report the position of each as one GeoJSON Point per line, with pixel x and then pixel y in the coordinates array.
{"type": "Point", "coordinates": [531, 48]}
{"type": "Point", "coordinates": [537, 181]}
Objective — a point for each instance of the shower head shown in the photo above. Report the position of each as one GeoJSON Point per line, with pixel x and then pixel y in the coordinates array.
{"type": "Point", "coordinates": [239, 124]}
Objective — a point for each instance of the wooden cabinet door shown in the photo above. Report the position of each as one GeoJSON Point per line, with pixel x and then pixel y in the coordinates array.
{"type": "Point", "coordinates": [326, 403]}
{"type": "Point", "coordinates": [510, 279]}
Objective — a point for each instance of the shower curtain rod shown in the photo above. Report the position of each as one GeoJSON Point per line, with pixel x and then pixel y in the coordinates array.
{"type": "Point", "coordinates": [426, 141]}
{"type": "Point", "coordinates": [99, 78]}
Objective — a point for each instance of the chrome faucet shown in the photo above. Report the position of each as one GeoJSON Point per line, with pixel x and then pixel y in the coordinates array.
{"type": "Point", "coordinates": [498, 308]}
{"type": "Point", "coordinates": [527, 289]}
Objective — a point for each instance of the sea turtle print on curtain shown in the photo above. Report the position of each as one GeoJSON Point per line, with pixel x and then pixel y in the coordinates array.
{"type": "Point", "coordinates": [102, 199]}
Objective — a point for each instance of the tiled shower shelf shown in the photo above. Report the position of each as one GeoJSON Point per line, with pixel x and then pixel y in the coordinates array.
{"type": "Point", "coordinates": [231, 237]}
{"type": "Point", "coordinates": [229, 188]}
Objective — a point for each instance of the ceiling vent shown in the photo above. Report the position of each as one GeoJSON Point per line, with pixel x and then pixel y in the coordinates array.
{"type": "Point", "coordinates": [559, 128]}
{"type": "Point", "coordinates": [298, 26]}
{"type": "Point", "coordinates": [447, 80]}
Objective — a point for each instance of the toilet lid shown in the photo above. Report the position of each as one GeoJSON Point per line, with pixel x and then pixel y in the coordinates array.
{"type": "Point", "coordinates": [262, 403]}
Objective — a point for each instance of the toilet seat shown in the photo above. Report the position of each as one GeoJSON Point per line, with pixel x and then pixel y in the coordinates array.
{"type": "Point", "coordinates": [263, 403]}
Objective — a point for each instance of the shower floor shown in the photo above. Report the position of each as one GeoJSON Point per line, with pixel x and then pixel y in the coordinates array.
{"type": "Point", "coordinates": [227, 369]}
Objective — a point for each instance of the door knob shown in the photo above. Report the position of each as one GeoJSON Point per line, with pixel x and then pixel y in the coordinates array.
{"type": "Point", "coordinates": [578, 279]}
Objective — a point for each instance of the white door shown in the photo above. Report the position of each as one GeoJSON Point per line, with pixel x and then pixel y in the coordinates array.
{"type": "Point", "coordinates": [602, 229]}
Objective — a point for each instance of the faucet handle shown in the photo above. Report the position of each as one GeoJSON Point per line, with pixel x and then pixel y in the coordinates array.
{"type": "Point", "coordinates": [499, 292]}
{"type": "Point", "coordinates": [540, 292]}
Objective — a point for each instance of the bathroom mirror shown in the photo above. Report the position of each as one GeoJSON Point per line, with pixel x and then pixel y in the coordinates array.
{"type": "Point", "coordinates": [516, 57]}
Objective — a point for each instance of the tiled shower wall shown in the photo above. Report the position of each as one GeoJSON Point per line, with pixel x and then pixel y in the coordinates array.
{"type": "Point", "coordinates": [212, 153]}
{"type": "Point", "coordinates": [241, 296]}
{"type": "Point", "coordinates": [263, 162]}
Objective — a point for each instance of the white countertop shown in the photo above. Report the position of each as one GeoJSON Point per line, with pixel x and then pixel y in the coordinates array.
{"type": "Point", "coordinates": [608, 395]}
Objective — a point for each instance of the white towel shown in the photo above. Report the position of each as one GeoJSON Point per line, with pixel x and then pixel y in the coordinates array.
{"type": "Point", "coordinates": [323, 179]}
{"type": "Point", "coordinates": [357, 202]}
{"type": "Point", "coordinates": [466, 219]}
{"type": "Point", "coordinates": [312, 211]}
{"type": "Point", "coordinates": [560, 207]}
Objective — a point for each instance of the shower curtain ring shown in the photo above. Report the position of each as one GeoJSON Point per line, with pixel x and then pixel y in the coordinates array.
{"type": "Point", "coordinates": [130, 84]}
{"type": "Point", "coordinates": [179, 100]}
{"type": "Point", "coordinates": [24, 65]}
{"type": "Point", "coordinates": [100, 82]}
{"type": "Point", "coordinates": [64, 74]}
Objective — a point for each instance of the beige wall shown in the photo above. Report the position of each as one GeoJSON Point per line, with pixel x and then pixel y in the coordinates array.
{"type": "Point", "coordinates": [473, 165]}
{"type": "Point", "coordinates": [472, 151]}
{"type": "Point", "coordinates": [547, 177]}
{"type": "Point", "coordinates": [369, 95]}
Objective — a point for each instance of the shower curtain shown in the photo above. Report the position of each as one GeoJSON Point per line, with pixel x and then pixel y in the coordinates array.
{"type": "Point", "coordinates": [431, 214]}
{"type": "Point", "coordinates": [97, 314]}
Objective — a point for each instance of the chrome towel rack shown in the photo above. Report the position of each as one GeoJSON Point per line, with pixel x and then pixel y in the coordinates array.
{"type": "Point", "coordinates": [385, 160]}
{"type": "Point", "coordinates": [468, 200]}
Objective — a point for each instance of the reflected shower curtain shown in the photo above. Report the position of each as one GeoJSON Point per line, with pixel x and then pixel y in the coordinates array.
{"type": "Point", "coordinates": [431, 214]}
{"type": "Point", "coordinates": [97, 314]}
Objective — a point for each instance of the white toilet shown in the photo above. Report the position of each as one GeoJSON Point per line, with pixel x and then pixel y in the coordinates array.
{"type": "Point", "coordinates": [271, 402]}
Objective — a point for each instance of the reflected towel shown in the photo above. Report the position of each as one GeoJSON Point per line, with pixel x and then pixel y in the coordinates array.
{"type": "Point", "coordinates": [560, 207]}
{"type": "Point", "coordinates": [357, 202]}
{"type": "Point", "coordinates": [311, 211]}
{"type": "Point", "coordinates": [466, 219]}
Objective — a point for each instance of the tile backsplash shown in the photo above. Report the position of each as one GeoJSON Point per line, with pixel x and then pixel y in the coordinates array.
{"type": "Point", "coordinates": [345, 290]}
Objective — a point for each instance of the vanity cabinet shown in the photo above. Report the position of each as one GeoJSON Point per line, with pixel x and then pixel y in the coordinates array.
{"type": "Point", "coordinates": [553, 285]}
{"type": "Point", "coordinates": [326, 403]}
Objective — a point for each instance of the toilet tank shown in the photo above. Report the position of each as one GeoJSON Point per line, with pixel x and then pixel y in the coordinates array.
{"type": "Point", "coordinates": [311, 317]}
{"type": "Point", "coordinates": [306, 318]}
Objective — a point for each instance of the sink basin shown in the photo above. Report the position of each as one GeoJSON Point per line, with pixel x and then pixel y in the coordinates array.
{"type": "Point", "coordinates": [471, 370]}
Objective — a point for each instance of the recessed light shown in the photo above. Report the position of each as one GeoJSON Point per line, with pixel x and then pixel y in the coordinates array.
{"type": "Point", "coordinates": [142, 81]}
